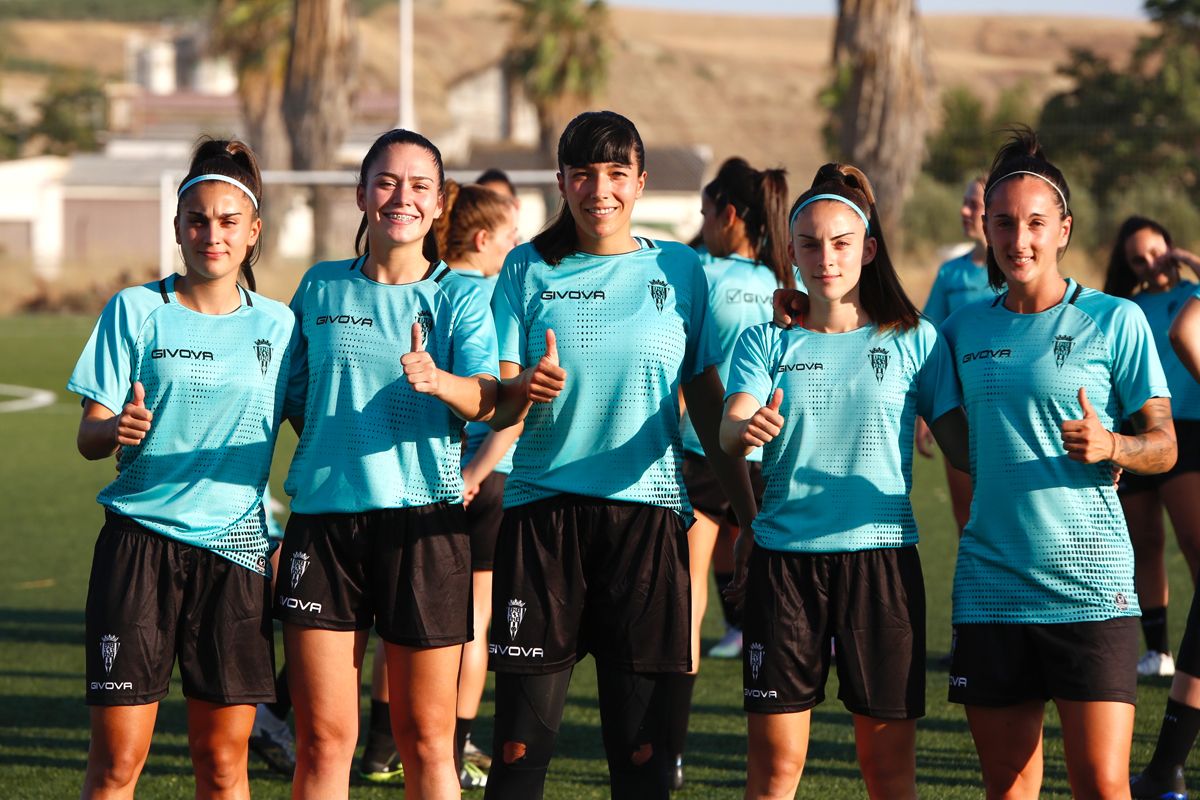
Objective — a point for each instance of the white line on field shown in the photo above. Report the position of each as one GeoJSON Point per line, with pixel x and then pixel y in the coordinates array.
{"type": "Point", "coordinates": [28, 398]}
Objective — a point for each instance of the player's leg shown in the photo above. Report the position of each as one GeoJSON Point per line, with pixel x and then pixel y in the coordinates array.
{"type": "Point", "coordinates": [217, 736]}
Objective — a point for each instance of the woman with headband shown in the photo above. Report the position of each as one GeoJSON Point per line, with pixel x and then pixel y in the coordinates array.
{"type": "Point", "coordinates": [833, 403]}
{"type": "Point", "coordinates": [185, 378]}
{"type": "Point", "coordinates": [1044, 601]}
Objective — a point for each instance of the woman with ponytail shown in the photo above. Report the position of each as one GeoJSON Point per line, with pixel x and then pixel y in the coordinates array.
{"type": "Point", "coordinates": [395, 353]}
{"type": "Point", "coordinates": [833, 403]}
{"type": "Point", "coordinates": [1044, 601]}
{"type": "Point", "coordinates": [744, 232]}
{"type": "Point", "coordinates": [184, 378]}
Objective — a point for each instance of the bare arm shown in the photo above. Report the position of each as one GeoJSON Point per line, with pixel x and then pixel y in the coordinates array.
{"type": "Point", "coordinates": [1149, 451]}
{"type": "Point", "coordinates": [471, 398]}
{"type": "Point", "coordinates": [952, 434]}
{"type": "Point", "coordinates": [1185, 336]}
{"type": "Point", "coordinates": [704, 394]}
{"type": "Point", "coordinates": [101, 431]}
{"type": "Point", "coordinates": [494, 446]}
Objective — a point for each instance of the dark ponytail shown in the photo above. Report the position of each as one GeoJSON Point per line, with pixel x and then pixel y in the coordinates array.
{"type": "Point", "coordinates": [759, 198]}
{"type": "Point", "coordinates": [1023, 153]}
{"type": "Point", "coordinates": [880, 291]}
{"type": "Point", "coordinates": [233, 159]}
{"type": "Point", "coordinates": [593, 137]}
{"type": "Point", "coordinates": [397, 136]}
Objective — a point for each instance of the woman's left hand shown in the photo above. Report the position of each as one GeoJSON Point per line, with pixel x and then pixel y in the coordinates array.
{"type": "Point", "coordinates": [1086, 440]}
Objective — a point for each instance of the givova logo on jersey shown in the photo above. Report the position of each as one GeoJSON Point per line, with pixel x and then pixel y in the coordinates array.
{"type": "Point", "coordinates": [879, 362]}
{"type": "Point", "coordinates": [424, 318]}
{"type": "Point", "coordinates": [658, 292]}
{"type": "Point", "coordinates": [1062, 349]}
{"type": "Point", "coordinates": [110, 645]}
{"type": "Point", "coordinates": [262, 349]}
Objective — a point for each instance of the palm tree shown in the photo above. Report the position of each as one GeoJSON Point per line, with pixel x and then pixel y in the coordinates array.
{"type": "Point", "coordinates": [558, 55]}
{"type": "Point", "coordinates": [885, 97]}
{"type": "Point", "coordinates": [255, 36]}
{"type": "Point", "coordinates": [321, 70]}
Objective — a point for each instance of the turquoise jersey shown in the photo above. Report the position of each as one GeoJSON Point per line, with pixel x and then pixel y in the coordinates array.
{"type": "Point", "coordinates": [959, 282]}
{"type": "Point", "coordinates": [630, 328]}
{"type": "Point", "coordinates": [1160, 309]}
{"type": "Point", "coordinates": [839, 474]}
{"type": "Point", "coordinates": [370, 441]}
{"type": "Point", "coordinates": [478, 431]}
{"type": "Point", "coordinates": [739, 295]}
{"type": "Point", "coordinates": [215, 384]}
{"type": "Point", "coordinates": [1046, 541]}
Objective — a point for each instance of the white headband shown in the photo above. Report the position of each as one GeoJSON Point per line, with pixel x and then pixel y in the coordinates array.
{"type": "Point", "coordinates": [1053, 185]}
{"type": "Point", "coordinates": [223, 179]}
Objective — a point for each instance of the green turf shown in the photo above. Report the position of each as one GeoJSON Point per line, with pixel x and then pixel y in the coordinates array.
{"type": "Point", "coordinates": [50, 519]}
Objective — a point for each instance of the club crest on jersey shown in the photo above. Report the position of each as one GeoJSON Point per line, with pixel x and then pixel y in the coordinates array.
{"type": "Point", "coordinates": [262, 349]}
{"type": "Point", "coordinates": [299, 565]}
{"type": "Point", "coordinates": [1062, 349]}
{"type": "Point", "coordinates": [756, 659]}
{"type": "Point", "coordinates": [424, 318]}
{"type": "Point", "coordinates": [879, 362]}
{"type": "Point", "coordinates": [658, 291]}
{"type": "Point", "coordinates": [109, 645]}
{"type": "Point", "coordinates": [516, 614]}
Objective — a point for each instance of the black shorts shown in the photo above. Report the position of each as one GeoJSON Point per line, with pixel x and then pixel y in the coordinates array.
{"type": "Point", "coordinates": [1005, 664]}
{"type": "Point", "coordinates": [1188, 659]}
{"type": "Point", "coordinates": [577, 575]}
{"type": "Point", "coordinates": [483, 521]}
{"type": "Point", "coordinates": [871, 603]}
{"type": "Point", "coordinates": [1187, 436]}
{"type": "Point", "coordinates": [152, 599]}
{"type": "Point", "coordinates": [405, 570]}
{"type": "Point", "coordinates": [705, 493]}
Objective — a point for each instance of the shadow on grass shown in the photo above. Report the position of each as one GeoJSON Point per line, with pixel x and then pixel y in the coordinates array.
{"type": "Point", "coordinates": [43, 626]}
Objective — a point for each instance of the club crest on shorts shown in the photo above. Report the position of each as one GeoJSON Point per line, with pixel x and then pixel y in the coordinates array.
{"type": "Point", "coordinates": [299, 565]}
{"type": "Point", "coordinates": [1062, 349]}
{"type": "Point", "coordinates": [879, 362]}
{"type": "Point", "coordinates": [658, 291]}
{"type": "Point", "coordinates": [424, 318]}
{"type": "Point", "coordinates": [516, 614]}
{"type": "Point", "coordinates": [756, 659]}
{"type": "Point", "coordinates": [262, 349]}
{"type": "Point", "coordinates": [109, 645]}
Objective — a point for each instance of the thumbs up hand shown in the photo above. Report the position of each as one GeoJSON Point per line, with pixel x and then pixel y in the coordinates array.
{"type": "Point", "coordinates": [419, 369]}
{"type": "Point", "coordinates": [545, 380]}
{"type": "Point", "coordinates": [133, 423]}
{"type": "Point", "coordinates": [1086, 440]}
{"type": "Point", "coordinates": [766, 423]}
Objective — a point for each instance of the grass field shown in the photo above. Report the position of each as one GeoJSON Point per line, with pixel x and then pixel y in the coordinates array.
{"type": "Point", "coordinates": [50, 520]}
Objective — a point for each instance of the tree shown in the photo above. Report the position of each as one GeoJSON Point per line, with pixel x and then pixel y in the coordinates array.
{"type": "Point", "coordinates": [255, 34]}
{"type": "Point", "coordinates": [71, 113]}
{"type": "Point", "coordinates": [969, 136]}
{"type": "Point", "coordinates": [321, 69]}
{"type": "Point", "coordinates": [884, 95]}
{"type": "Point", "coordinates": [558, 53]}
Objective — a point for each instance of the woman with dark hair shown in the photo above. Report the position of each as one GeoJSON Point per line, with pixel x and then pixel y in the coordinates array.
{"type": "Point", "coordinates": [598, 332]}
{"type": "Point", "coordinates": [833, 404]}
{"type": "Point", "coordinates": [1145, 267]}
{"type": "Point", "coordinates": [744, 231]}
{"type": "Point", "coordinates": [395, 352]}
{"type": "Point", "coordinates": [1044, 601]}
{"type": "Point", "coordinates": [959, 281]}
{"type": "Point", "coordinates": [185, 377]}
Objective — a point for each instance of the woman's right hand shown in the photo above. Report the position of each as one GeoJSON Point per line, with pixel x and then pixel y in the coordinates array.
{"type": "Point", "coordinates": [133, 423]}
{"type": "Point", "coordinates": [765, 424]}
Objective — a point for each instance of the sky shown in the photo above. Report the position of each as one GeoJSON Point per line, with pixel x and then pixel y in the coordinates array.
{"type": "Point", "coordinates": [1128, 9]}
